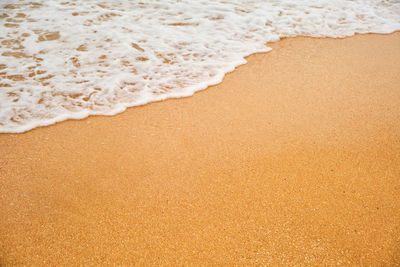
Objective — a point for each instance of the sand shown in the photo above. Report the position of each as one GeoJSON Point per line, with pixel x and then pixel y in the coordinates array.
{"type": "Point", "coordinates": [294, 159]}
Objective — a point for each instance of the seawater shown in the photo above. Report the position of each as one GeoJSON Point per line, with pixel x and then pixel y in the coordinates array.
{"type": "Point", "coordinates": [71, 59]}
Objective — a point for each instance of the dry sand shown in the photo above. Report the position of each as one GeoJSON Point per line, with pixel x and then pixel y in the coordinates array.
{"type": "Point", "coordinates": [293, 160]}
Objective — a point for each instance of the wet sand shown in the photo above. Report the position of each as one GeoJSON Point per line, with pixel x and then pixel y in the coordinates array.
{"type": "Point", "coordinates": [293, 160]}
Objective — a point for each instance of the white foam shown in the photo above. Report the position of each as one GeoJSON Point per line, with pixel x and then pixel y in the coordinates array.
{"type": "Point", "coordinates": [67, 60]}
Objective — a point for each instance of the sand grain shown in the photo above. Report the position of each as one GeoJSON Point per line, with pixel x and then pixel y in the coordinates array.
{"type": "Point", "coordinates": [292, 160]}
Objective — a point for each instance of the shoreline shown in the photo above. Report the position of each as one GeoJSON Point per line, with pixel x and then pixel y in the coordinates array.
{"type": "Point", "coordinates": [291, 160]}
{"type": "Point", "coordinates": [210, 84]}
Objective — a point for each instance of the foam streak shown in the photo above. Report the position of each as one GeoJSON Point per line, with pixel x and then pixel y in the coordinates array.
{"type": "Point", "coordinates": [68, 60]}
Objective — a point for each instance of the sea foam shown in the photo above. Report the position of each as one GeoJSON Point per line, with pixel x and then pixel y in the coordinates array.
{"type": "Point", "coordinates": [62, 60]}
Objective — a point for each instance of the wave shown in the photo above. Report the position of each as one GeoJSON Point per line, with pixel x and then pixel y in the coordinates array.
{"type": "Point", "coordinates": [68, 60]}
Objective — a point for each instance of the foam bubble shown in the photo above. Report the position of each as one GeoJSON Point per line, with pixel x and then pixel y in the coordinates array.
{"type": "Point", "coordinates": [67, 60]}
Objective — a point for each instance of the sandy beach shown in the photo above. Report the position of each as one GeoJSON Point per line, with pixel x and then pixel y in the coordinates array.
{"type": "Point", "coordinates": [293, 160]}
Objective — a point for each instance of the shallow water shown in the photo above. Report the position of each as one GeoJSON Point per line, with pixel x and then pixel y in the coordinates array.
{"type": "Point", "coordinates": [62, 60]}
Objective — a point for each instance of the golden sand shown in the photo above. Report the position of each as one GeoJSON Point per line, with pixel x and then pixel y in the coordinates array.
{"type": "Point", "coordinates": [293, 160]}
